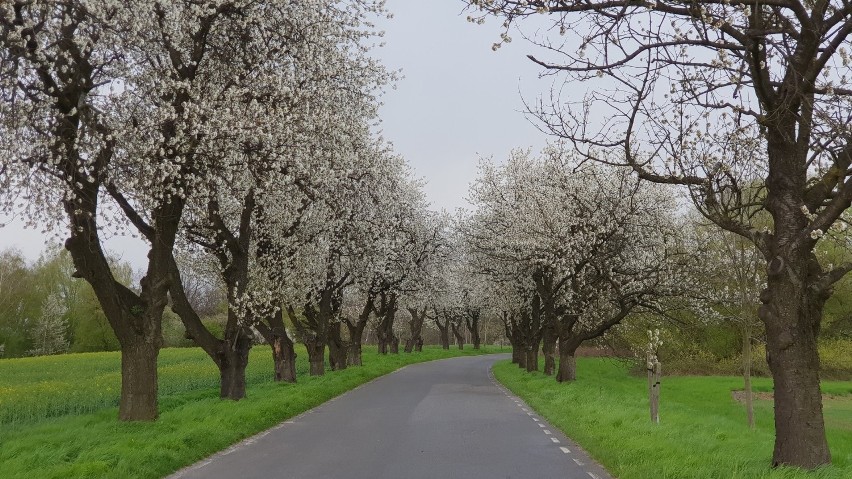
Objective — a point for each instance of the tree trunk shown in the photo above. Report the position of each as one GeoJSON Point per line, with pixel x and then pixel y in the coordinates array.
{"type": "Point", "coordinates": [458, 335]}
{"type": "Point", "coordinates": [749, 400]}
{"type": "Point", "coordinates": [522, 358]}
{"type": "Point", "coordinates": [792, 301]}
{"type": "Point", "coordinates": [284, 358]}
{"type": "Point", "coordinates": [283, 352]}
{"type": "Point", "coordinates": [472, 322]}
{"type": "Point", "coordinates": [337, 349]}
{"type": "Point", "coordinates": [138, 382]}
{"type": "Point", "coordinates": [418, 345]}
{"type": "Point", "coordinates": [354, 355]}
{"type": "Point", "coordinates": [567, 363]}
{"type": "Point", "coordinates": [316, 356]}
{"type": "Point", "coordinates": [444, 333]}
{"type": "Point", "coordinates": [386, 313]}
{"type": "Point", "coordinates": [791, 351]}
{"type": "Point", "coordinates": [136, 319]}
{"type": "Point", "coordinates": [232, 368]}
{"type": "Point", "coordinates": [356, 334]}
{"type": "Point", "coordinates": [394, 345]}
{"type": "Point", "coordinates": [415, 325]}
{"type": "Point", "coordinates": [232, 363]}
{"type": "Point", "coordinates": [532, 358]}
{"type": "Point", "coordinates": [549, 338]}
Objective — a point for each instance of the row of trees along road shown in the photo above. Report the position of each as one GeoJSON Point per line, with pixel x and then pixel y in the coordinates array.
{"type": "Point", "coordinates": [235, 138]}
{"type": "Point", "coordinates": [568, 251]}
{"type": "Point", "coordinates": [718, 97]}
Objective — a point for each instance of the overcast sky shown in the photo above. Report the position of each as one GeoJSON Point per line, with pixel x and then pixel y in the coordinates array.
{"type": "Point", "coordinates": [458, 100]}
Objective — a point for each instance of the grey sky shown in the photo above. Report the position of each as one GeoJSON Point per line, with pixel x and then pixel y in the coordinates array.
{"type": "Point", "coordinates": [458, 100]}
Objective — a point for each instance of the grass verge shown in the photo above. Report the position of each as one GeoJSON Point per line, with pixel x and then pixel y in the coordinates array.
{"type": "Point", "coordinates": [86, 440]}
{"type": "Point", "coordinates": [703, 431]}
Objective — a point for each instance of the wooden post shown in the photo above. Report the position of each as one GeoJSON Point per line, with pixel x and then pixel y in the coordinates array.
{"type": "Point", "coordinates": [654, 374]}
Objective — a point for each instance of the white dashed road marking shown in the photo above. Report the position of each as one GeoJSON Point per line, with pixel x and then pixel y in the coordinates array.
{"type": "Point", "coordinates": [547, 432]}
{"type": "Point", "coordinates": [579, 462]}
{"type": "Point", "coordinates": [565, 450]}
{"type": "Point", "coordinates": [556, 441]}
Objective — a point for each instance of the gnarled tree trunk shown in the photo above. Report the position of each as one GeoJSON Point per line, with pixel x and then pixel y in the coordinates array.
{"type": "Point", "coordinates": [472, 323]}
{"type": "Point", "coordinates": [316, 356]}
{"type": "Point", "coordinates": [549, 338]}
{"type": "Point", "coordinates": [415, 325]}
{"type": "Point", "coordinates": [337, 348]}
{"type": "Point", "coordinates": [384, 330]}
{"type": "Point", "coordinates": [283, 352]}
{"type": "Point", "coordinates": [532, 357]}
{"type": "Point", "coordinates": [444, 330]}
{"type": "Point", "coordinates": [356, 331]}
{"type": "Point", "coordinates": [792, 313]}
{"type": "Point", "coordinates": [135, 318]}
{"type": "Point", "coordinates": [457, 334]}
{"type": "Point", "coordinates": [138, 401]}
{"type": "Point", "coordinates": [567, 361]}
{"type": "Point", "coordinates": [232, 366]}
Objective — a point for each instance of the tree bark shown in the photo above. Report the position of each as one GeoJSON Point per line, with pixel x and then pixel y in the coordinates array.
{"type": "Point", "coordinates": [283, 352]}
{"type": "Point", "coordinates": [458, 335]}
{"type": "Point", "coordinates": [567, 362]}
{"type": "Point", "coordinates": [232, 367]}
{"type": "Point", "coordinates": [792, 303]}
{"type": "Point", "coordinates": [792, 314]}
{"type": "Point", "coordinates": [394, 345]}
{"type": "Point", "coordinates": [444, 330]}
{"type": "Point", "coordinates": [532, 358]}
{"type": "Point", "coordinates": [356, 331]}
{"type": "Point", "coordinates": [472, 323]}
{"type": "Point", "coordinates": [522, 358]}
{"type": "Point", "coordinates": [354, 355]}
{"type": "Point", "coordinates": [549, 338]}
{"type": "Point", "coordinates": [316, 356]}
{"type": "Point", "coordinates": [138, 382]}
{"type": "Point", "coordinates": [384, 330]}
{"type": "Point", "coordinates": [337, 349]}
{"type": "Point", "coordinates": [415, 325]}
{"type": "Point", "coordinates": [356, 334]}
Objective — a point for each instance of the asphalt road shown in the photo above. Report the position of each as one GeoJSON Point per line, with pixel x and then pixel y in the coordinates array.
{"type": "Point", "coordinates": [442, 419]}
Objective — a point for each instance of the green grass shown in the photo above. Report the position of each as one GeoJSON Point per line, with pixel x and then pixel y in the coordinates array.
{"type": "Point", "coordinates": [58, 414]}
{"type": "Point", "coordinates": [703, 431]}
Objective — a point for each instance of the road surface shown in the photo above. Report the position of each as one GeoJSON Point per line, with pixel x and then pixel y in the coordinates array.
{"type": "Point", "coordinates": [441, 419]}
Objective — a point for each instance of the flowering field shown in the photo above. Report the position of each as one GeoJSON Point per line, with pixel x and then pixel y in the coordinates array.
{"type": "Point", "coordinates": [32, 389]}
